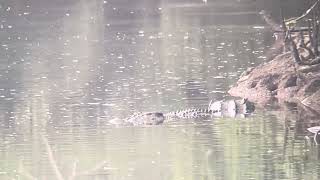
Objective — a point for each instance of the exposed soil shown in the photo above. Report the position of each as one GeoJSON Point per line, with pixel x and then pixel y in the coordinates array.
{"type": "Point", "coordinates": [281, 79]}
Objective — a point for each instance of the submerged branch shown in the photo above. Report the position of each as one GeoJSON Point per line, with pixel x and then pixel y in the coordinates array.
{"type": "Point", "coordinates": [73, 172]}
{"type": "Point", "coordinates": [94, 169]}
{"type": "Point", "coordinates": [51, 158]}
{"type": "Point", "coordinates": [24, 173]}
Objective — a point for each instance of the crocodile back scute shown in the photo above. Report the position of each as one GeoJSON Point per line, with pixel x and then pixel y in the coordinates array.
{"type": "Point", "coordinates": [188, 113]}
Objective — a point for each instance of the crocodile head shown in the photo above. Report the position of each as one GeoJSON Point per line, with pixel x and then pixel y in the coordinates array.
{"type": "Point", "coordinates": [153, 118]}
{"type": "Point", "coordinates": [247, 106]}
{"type": "Point", "coordinates": [231, 108]}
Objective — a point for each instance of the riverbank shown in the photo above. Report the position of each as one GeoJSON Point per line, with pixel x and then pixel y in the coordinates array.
{"type": "Point", "coordinates": [281, 79]}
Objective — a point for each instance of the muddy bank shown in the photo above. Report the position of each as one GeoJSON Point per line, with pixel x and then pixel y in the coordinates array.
{"type": "Point", "coordinates": [281, 79]}
{"type": "Point", "coordinates": [292, 76]}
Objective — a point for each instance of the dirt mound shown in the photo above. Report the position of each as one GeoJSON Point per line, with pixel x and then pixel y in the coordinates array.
{"type": "Point", "coordinates": [281, 79]}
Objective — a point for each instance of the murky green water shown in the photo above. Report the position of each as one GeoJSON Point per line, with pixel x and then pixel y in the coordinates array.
{"type": "Point", "coordinates": [67, 69]}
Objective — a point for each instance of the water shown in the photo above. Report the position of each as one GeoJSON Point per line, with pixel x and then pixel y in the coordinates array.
{"type": "Point", "coordinates": [67, 69]}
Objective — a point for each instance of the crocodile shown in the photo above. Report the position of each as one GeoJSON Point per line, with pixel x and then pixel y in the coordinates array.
{"type": "Point", "coordinates": [225, 108]}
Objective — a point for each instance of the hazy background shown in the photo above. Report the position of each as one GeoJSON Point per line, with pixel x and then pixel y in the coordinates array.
{"type": "Point", "coordinates": [69, 67]}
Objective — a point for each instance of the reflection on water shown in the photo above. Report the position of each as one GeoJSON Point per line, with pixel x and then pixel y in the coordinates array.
{"type": "Point", "coordinates": [68, 69]}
